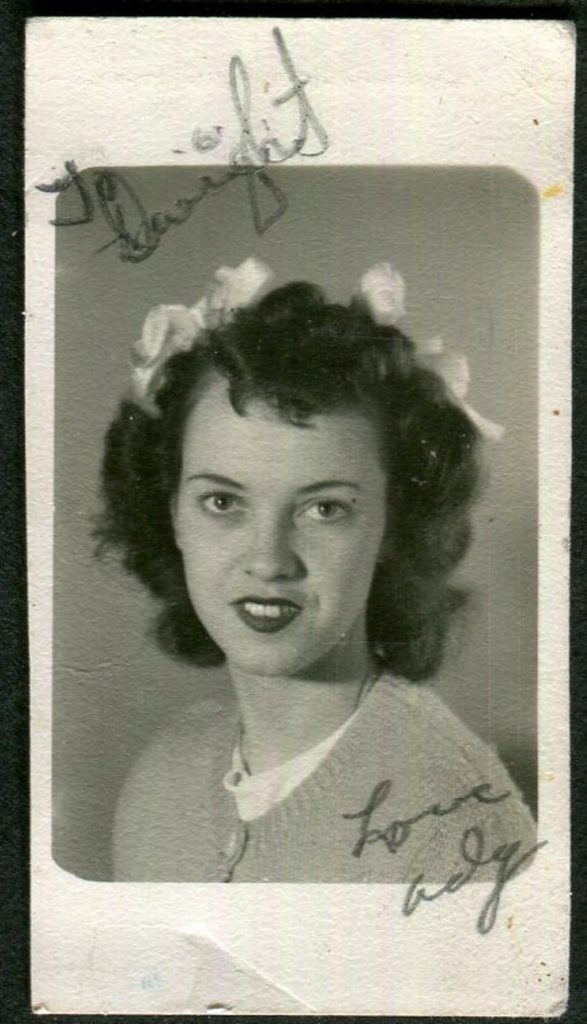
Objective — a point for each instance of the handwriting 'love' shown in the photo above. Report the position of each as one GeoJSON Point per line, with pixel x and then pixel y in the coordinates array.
{"type": "Point", "coordinates": [506, 857]}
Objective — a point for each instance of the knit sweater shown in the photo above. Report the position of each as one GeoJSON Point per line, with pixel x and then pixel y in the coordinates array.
{"type": "Point", "coordinates": [404, 757]}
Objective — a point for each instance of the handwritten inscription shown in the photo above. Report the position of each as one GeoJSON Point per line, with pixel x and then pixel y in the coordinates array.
{"type": "Point", "coordinates": [138, 232]}
{"type": "Point", "coordinates": [507, 857]}
{"type": "Point", "coordinates": [269, 150]}
{"type": "Point", "coordinates": [398, 831]}
{"type": "Point", "coordinates": [472, 850]}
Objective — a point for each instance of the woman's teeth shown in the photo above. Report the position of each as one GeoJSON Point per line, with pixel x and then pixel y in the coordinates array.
{"type": "Point", "coordinates": [267, 611]}
{"type": "Point", "coordinates": [269, 616]}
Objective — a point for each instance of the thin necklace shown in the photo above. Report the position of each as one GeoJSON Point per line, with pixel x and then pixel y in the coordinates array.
{"type": "Point", "coordinates": [367, 684]}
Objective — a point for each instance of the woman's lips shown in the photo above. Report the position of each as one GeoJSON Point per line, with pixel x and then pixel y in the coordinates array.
{"type": "Point", "coordinates": [266, 615]}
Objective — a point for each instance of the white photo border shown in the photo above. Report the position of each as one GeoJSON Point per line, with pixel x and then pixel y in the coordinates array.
{"type": "Point", "coordinates": [306, 949]}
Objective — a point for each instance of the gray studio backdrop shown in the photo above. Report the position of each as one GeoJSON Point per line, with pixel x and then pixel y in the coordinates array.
{"type": "Point", "coordinates": [466, 240]}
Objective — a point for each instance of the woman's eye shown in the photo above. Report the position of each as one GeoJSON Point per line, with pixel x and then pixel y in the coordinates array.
{"type": "Point", "coordinates": [327, 511]}
{"type": "Point", "coordinates": [219, 503]}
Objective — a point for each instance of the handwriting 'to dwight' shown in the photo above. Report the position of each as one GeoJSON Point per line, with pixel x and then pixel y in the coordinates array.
{"type": "Point", "coordinates": [138, 233]}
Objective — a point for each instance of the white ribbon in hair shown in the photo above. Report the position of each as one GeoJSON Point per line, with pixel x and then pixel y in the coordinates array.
{"type": "Point", "coordinates": [168, 330]}
{"type": "Point", "coordinates": [383, 290]}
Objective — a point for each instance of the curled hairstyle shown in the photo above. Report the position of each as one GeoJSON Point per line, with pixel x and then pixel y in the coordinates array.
{"type": "Point", "coordinates": [304, 356]}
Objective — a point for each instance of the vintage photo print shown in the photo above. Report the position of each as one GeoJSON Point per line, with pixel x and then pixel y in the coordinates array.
{"type": "Point", "coordinates": [298, 421]}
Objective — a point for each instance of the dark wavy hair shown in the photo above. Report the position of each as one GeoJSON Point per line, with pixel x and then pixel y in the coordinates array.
{"type": "Point", "coordinates": [304, 355]}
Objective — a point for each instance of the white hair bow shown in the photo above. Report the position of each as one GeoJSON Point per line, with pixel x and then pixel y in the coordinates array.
{"type": "Point", "coordinates": [171, 329]}
{"type": "Point", "coordinates": [383, 290]}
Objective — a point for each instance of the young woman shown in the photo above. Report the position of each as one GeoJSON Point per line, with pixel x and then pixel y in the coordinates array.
{"type": "Point", "coordinates": [293, 481]}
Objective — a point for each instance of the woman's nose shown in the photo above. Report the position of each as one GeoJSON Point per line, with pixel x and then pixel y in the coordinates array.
{"type": "Point", "coordinates": [271, 553]}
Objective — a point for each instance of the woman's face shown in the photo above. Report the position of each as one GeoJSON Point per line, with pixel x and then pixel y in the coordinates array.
{"type": "Point", "coordinates": [280, 527]}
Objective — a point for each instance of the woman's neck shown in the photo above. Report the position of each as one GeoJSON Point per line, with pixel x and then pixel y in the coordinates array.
{"type": "Point", "coordinates": [283, 716]}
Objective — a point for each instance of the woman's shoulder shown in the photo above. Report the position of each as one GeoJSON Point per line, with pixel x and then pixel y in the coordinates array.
{"type": "Point", "coordinates": [166, 799]}
{"type": "Point", "coordinates": [188, 738]}
{"type": "Point", "coordinates": [420, 706]}
{"type": "Point", "coordinates": [426, 731]}
{"type": "Point", "coordinates": [444, 785]}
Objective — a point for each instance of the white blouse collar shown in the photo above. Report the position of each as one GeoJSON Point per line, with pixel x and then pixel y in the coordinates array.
{"type": "Point", "coordinates": [257, 794]}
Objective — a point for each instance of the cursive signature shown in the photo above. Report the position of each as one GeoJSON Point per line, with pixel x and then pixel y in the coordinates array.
{"type": "Point", "coordinates": [399, 830]}
{"type": "Point", "coordinates": [138, 233]}
{"type": "Point", "coordinates": [507, 856]}
{"type": "Point", "coordinates": [472, 850]}
{"type": "Point", "coordinates": [249, 149]}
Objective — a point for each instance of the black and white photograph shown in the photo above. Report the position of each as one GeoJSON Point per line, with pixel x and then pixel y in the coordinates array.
{"type": "Point", "coordinates": [295, 537]}
{"type": "Point", "coordinates": [337, 549]}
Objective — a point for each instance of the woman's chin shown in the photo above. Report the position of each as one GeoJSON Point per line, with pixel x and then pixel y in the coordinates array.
{"type": "Point", "coordinates": [281, 659]}
{"type": "Point", "coordinates": [293, 651]}
{"type": "Point", "coordinates": [259, 665]}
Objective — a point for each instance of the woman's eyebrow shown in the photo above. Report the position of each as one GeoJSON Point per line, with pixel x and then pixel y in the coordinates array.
{"type": "Point", "coordinates": [320, 485]}
{"type": "Point", "coordinates": [214, 478]}
{"type": "Point", "coordinates": [323, 484]}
